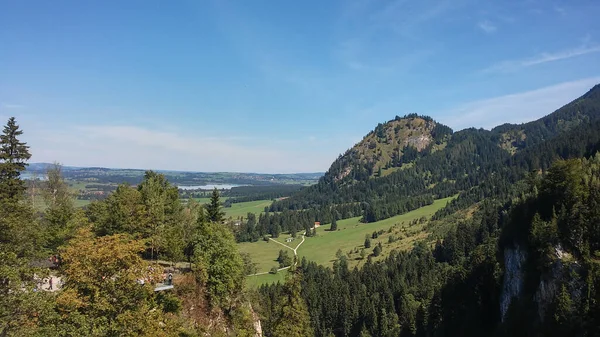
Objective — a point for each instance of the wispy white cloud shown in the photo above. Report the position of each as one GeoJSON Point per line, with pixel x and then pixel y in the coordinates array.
{"type": "Point", "coordinates": [516, 108]}
{"type": "Point", "coordinates": [560, 10]}
{"type": "Point", "coordinates": [513, 65]}
{"type": "Point", "coordinates": [487, 26]}
{"type": "Point", "coordinates": [11, 106]}
{"type": "Point", "coordinates": [124, 146]}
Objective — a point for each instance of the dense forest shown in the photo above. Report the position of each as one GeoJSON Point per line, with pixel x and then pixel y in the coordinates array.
{"type": "Point", "coordinates": [524, 264]}
{"type": "Point", "coordinates": [457, 288]}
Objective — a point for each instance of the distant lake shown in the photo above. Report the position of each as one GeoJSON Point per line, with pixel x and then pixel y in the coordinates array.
{"type": "Point", "coordinates": [209, 187]}
{"type": "Point", "coordinates": [30, 176]}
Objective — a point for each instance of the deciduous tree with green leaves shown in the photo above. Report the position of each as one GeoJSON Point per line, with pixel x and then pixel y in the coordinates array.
{"type": "Point", "coordinates": [218, 264]}
{"type": "Point", "coordinates": [60, 209]}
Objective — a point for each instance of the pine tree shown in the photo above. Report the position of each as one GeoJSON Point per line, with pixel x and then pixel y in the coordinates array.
{"type": "Point", "coordinates": [333, 224]}
{"type": "Point", "coordinates": [294, 320]}
{"type": "Point", "coordinates": [275, 232]}
{"type": "Point", "coordinates": [18, 241]}
{"type": "Point", "coordinates": [364, 332]}
{"type": "Point", "coordinates": [13, 160]}
{"type": "Point", "coordinates": [367, 242]}
{"type": "Point", "coordinates": [214, 208]}
{"type": "Point", "coordinates": [18, 232]}
{"type": "Point", "coordinates": [377, 250]}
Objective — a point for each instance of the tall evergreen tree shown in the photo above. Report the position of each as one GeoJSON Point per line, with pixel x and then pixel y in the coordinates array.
{"type": "Point", "coordinates": [19, 305]}
{"type": "Point", "coordinates": [18, 232]}
{"type": "Point", "coordinates": [294, 320]}
{"type": "Point", "coordinates": [13, 160]}
{"type": "Point", "coordinates": [214, 208]}
{"type": "Point", "coordinates": [333, 224]}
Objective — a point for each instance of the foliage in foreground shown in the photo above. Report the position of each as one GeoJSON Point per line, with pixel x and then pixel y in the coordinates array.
{"type": "Point", "coordinates": [108, 287]}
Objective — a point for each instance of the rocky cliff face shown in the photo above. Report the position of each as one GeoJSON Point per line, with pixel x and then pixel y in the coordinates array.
{"type": "Point", "coordinates": [564, 270]}
{"type": "Point", "coordinates": [512, 285]}
{"type": "Point", "coordinates": [257, 324]}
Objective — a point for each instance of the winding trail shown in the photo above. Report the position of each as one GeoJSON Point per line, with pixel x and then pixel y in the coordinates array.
{"type": "Point", "coordinates": [295, 255]}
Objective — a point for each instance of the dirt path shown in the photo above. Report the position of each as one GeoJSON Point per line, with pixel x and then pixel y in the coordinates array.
{"type": "Point", "coordinates": [295, 255]}
{"type": "Point", "coordinates": [283, 244]}
{"type": "Point", "coordinates": [293, 249]}
{"type": "Point", "coordinates": [298, 246]}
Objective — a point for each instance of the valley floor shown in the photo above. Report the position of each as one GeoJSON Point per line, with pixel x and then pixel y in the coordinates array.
{"type": "Point", "coordinates": [349, 238]}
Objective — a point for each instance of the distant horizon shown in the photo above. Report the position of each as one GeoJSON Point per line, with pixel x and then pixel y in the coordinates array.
{"type": "Point", "coordinates": [161, 170]}
{"type": "Point", "coordinates": [333, 159]}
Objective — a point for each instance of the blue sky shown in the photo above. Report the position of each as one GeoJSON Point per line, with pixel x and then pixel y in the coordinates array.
{"type": "Point", "coordinates": [277, 86]}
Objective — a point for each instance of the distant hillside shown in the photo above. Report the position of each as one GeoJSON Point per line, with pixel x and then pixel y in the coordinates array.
{"type": "Point", "coordinates": [389, 146]}
{"type": "Point", "coordinates": [134, 176]}
{"type": "Point", "coordinates": [412, 160]}
{"type": "Point", "coordinates": [585, 109]}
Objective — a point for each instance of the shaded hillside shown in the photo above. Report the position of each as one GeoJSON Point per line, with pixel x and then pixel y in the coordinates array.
{"type": "Point", "coordinates": [513, 269]}
{"type": "Point", "coordinates": [424, 160]}
{"type": "Point", "coordinates": [581, 111]}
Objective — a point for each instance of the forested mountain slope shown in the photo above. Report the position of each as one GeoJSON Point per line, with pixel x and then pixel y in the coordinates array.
{"type": "Point", "coordinates": [527, 267]}
{"type": "Point", "coordinates": [413, 160]}
{"type": "Point", "coordinates": [524, 263]}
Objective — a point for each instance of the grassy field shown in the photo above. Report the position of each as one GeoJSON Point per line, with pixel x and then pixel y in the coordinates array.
{"type": "Point", "coordinates": [240, 208]}
{"type": "Point", "coordinates": [349, 237]}
{"type": "Point", "coordinates": [351, 234]}
{"type": "Point", "coordinates": [40, 204]}
{"type": "Point", "coordinates": [243, 208]}
{"type": "Point", "coordinates": [206, 200]}
{"type": "Point", "coordinates": [256, 281]}
{"type": "Point", "coordinates": [77, 185]}
{"type": "Point", "coordinates": [263, 253]}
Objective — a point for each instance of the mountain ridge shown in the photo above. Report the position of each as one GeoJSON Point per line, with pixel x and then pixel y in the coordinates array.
{"type": "Point", "coordinates": [455, 162]}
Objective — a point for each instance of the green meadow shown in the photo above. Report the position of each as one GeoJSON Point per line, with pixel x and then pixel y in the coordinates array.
{"type": "Point", "coordinates": [263, 253]}
{"type": "Point", "coordinates": [241, 209]}
{"type": "Point", "coordinates": [349, 237]}
{"type": "Point", "coordinates": [258, 280]}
